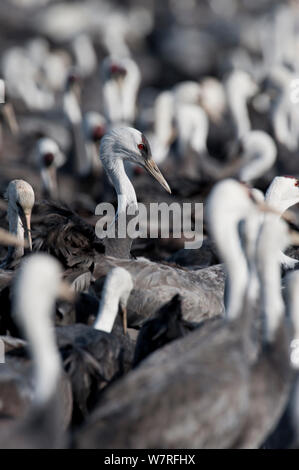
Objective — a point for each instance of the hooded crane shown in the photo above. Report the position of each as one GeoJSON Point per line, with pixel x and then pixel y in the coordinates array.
{"type": "Point", "coordinates": [194, 392]}
{"type": "Point", "coordinates": [48, 158]}
{"type": "Point", "coordinates": [73, 115]}
{"type": "Point", "coordinates": [121, 77]}
{"type": "Point", "coordinates": [94, 356]}
{"type": "Point", "coordinates": [201, 290]}
{"type": "Point", "coordinates": [258, 148]}
{"type": "Point", "coordinates": [154, 282]}
{"type": "Point", "coordinates": [271, 375]}
{"type": "Point", "coordinates": [65, 235]}
{"type": "Point", "coordinates": [10, 240]}
{"type": "Point", "coordinates": [95, 127]}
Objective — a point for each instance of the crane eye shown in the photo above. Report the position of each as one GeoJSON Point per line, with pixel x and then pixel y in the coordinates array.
{"type": "Point", "coordinates": [141, 146]}
{"type": "Point", "coordinates": [294, 178]}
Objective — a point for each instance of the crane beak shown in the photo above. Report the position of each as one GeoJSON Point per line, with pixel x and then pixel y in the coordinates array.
{"type": "Point", "coordinates": [66, 293]}
{"type": "Point", "coordinates": [7, 238]}
{"type": "Point", "coordinates": [25, 216]}
{"type": "Point", "coordinates": [124, 315]}
{"type": "Point", "coordinates": [28, 229]}
{"type": "Point", "coordinates": [10, 117]}
{"type": "Point", "coordinates": [151, 166]}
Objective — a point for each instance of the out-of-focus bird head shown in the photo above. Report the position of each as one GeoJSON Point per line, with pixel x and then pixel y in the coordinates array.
{"type": "Point", "coordinates": [20, 196]}
{"type": "Point", "coordinates": [95, 126]}
{"type": "Point", "coordinates": [283, 192]}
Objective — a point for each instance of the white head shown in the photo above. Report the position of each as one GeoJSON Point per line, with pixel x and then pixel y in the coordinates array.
{"type": "Point", "coordinates": [229, 200]}
{"type": "Point", "coordinates": [192, 126]}
{"type": "Point", "coordinates": [48, 153]}
{"type": "Point", "coordinates": [213, 98]}
{"type": "Point", "coordinates": [116, 292]}
{"type": "Point", "coordinates": [35, 290]}
{"type": "Point", "coordinates": [20, 197]}
{"type": "Point", "coordinates": [283, 193]}
{"type": "Point", "coordinates": [114, 68]}
{"type": "Point", "coordinates": [20, 193]}
{"type": "Point", "coordinates": [94, 126]}
{"type": "Point", "coordinates": [279, 79]}
{"type": "Point", "coordinates": [240, 83]}
{"type": "Point", "coordinates": [49, 158]}
{"type": "Point", "coordinates": [127, 143]}
{"type": "Point", "coordinates": [187, 93]}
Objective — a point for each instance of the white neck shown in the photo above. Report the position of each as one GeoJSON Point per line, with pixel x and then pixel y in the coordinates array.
{"type": "Point", "coordinates": [120, 245]}
{"type": "Point", "coordinates": [107, 313]}
{"type": "Point", "coordinates": [256, 167]}
{"type": "Point", "coordinates": [237, 272]}
{"type": "Point", "coordinates": [224, 228]}
{"type": "Point", "coordinates": [117, 288]}
{"type": "Point", "coordinates": [71, 107]}
{"type": "Point", "coordinates": [293, 301]}
{"type": "Point", "coordinates": [121, 183]}
{"type": "Point", "coordinates": [273, 305]}
{"type": "Point", "coordinates": [49, 179]}
{"type": "Point", "coordinates": [46, 362]}
{"type": "Point", "coordinates": [193, 128]}
{"type": "Point", "coordinates": [253, 225]}
{"type": "Point", "coordinates": [112, 102]}
{"type": "Point", "coordinates": [129, 94]}
{"type": "Point", "coordinates": [269, 272]}
{"type": "Point", "coordinates": [41, 337]}
{"type": "Point", "coordinates": [240, 114]}
{"type": "Point", "coordinates": [17, 229]}
{"type": "Point", "coordinates": [120, 96]}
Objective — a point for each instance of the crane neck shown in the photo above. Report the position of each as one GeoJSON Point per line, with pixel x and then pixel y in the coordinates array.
{"type": "Point", "coordinates": [240, 115]}
{"type": "Point", "coordinates": [120, 247]}
{"type": "Point", "coordinates": [17, 229]}
{"type": "Point", "coordinates": [122, 184]}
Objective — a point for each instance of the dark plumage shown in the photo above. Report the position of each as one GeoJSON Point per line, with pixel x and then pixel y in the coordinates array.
{"type": "Point", "coordinates": [17, 386]}
{"type": "Point", "coordinates": [190, 394]}
{"type": "Point", "coordinates": [63, 234]}
{"type": "Point", "coordinates": [92, 359]}
{"type": "Point", "coordinates": [167, 326]}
